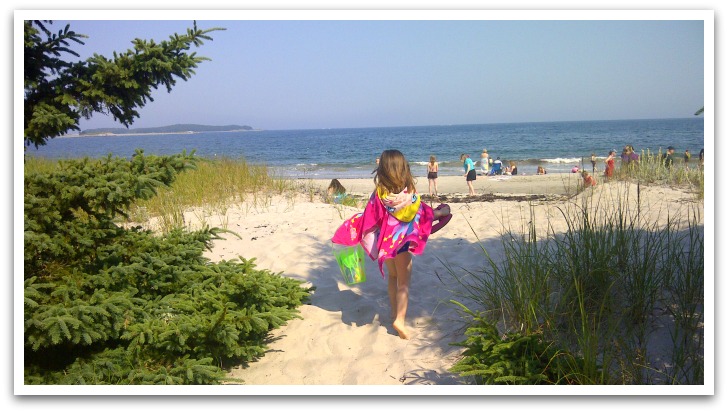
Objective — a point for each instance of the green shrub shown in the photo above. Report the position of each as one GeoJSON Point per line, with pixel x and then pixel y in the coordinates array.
{"type": "Point", "coordinates": [110, 305]}
{"type": "Point", "coordinates": [516, 358]}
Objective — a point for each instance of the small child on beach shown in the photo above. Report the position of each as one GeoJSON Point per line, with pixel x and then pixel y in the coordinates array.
{"type": "Point", "coordinates": [432, 168]}
{"type": "Point", "coordinates": [589, 180]}
{"type": "Point", "coordinates": [336, 191]}
{"type": "Point", "coordinates": [394, 225]}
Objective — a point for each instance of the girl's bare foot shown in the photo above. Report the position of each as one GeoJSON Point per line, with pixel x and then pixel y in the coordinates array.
{"type": "Point", "coordinates": [401, 330]}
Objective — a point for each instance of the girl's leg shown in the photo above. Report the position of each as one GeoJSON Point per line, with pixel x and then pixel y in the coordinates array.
{"type": "Point", "coordinates": [435, 181]}
{"type": "Point", "coordinates": [398, 289]}
{"type": "Point", "coordinates": [392, 287]}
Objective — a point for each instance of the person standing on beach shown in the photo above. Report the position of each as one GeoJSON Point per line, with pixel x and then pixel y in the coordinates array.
{"type": "Point", "coordinates": [470, 174]}
{"type": "Point", "coordinates": [669, 157]}
{"type": "Point", "coordinates": [484, 162]}
{"type": "Point", "coordinates": [687, 157]}
{"type": "Point", "coordinates": [701, 155]}
{"type": "Point", "coordinates": [594, 163]}
{"type": "Point", "coordinates": [609, 170]}
{"type": "Point", "coordinates": [375, 169]}
{"type": "Point", "coordinates": [432, 168]}
{"type": "Point", "coordinates": [630, 159]}
{"type": "Point", "coordinates": [394, 225]}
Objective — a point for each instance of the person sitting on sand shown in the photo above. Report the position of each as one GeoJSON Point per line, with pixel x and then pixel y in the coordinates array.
{"type": "Point", "coordinates": [540, 170]}
{"type": "Point", "coordinates": [514, 168]}
{"type": "Point", "coordinates": [497, 168]}
{"type": "Point", "coordinates": [336, 191]}
{"type": "Point", "coordinates": [588, 179]}
{"type": "Point", "coordinates": [575, 169]}
{"type": "Point", "coordinates": [394, 225]}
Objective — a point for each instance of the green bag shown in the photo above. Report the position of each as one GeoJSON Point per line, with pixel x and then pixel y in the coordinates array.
{"type": "Point", "coordinates": [351, 263]}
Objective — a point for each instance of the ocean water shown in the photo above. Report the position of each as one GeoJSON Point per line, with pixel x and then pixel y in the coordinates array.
{"type": "Point", "coordinates": [352, 153]}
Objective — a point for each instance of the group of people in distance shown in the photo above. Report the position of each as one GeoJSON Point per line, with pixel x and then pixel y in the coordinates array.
{"type": "Point", "coordinates": [630, 159]}
{"type": "Point", "coordinates": [491, 167]}
{"type": "Point", "coordinates": [669, 157]}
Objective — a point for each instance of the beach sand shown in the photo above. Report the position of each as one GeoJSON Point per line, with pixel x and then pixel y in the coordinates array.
{"type": "Point", "coordinates": [345, 335]}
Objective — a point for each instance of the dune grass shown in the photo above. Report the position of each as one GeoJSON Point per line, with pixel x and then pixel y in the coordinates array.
{"type": "Point", "coordinates": [210, 190]}
{"type": "Point", "coordinates": [651, 171]}
{"type": "Point", "coordinates": [596, 290]}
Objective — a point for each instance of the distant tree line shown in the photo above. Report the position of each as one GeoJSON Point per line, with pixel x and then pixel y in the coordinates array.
{"type": "Point", "coordinates": [167, 129]}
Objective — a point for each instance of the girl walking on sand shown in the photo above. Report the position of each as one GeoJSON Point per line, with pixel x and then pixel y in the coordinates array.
{"type": "Point", "coordinates": [432, 169]}
{"type": "Point", "coordinates": [470, 174]}
{"type": "Point", "coordinates": [394, 225]}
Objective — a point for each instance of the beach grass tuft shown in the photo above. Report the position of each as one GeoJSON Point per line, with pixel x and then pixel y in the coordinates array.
{"type": "Point", "coordinates": [595, 285]}
{"type": "Point", "coordinates": [213, 186]}
{"type": "Point", "coordinates": [651, 170]}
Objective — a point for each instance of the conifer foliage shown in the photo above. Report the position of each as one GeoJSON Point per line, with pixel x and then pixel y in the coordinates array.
{"type": "Point", "coordinates": [105, 304]}
{"type": "Point", "coordinates": [59, 92]}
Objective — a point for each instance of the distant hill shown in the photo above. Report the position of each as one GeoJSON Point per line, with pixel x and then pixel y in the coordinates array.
{"type": "Point", "coordinates": [179, 128]}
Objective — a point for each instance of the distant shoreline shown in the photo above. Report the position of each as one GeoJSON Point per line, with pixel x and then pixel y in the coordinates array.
{"type": "Point", "coordinates": [111, 134]}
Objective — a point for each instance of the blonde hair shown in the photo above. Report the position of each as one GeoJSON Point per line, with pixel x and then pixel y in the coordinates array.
{"type": "Point", "coordinates": [432, 159]}
{"type": "Point", "coordinates": [393, 173]}
{"type": "Point", "coordinates": [336, 187]}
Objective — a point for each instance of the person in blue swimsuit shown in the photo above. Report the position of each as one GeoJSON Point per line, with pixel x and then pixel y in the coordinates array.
{"type": "Point", "coordinates": [470, 174]}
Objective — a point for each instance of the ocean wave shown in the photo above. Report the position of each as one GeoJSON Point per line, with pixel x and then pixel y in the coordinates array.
{"type": "Point", "coordinates": [563, 160]}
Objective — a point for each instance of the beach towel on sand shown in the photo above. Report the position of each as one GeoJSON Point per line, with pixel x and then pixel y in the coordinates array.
{"type": "Point", "coordinates": [382, 235]}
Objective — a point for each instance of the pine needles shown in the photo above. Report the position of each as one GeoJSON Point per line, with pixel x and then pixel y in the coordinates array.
{"type": "Point", "coordinates": [110, 305]}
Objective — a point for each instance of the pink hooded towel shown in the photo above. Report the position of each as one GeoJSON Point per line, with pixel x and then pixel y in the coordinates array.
{"type": "Point", "coordinates": [382, 235]}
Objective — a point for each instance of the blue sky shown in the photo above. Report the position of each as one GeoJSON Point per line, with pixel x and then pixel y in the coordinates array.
{"type": "Point", "coordinates": [288, 74]}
